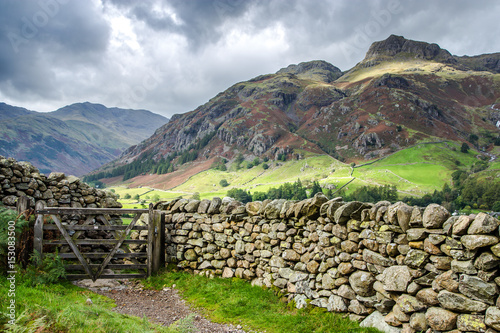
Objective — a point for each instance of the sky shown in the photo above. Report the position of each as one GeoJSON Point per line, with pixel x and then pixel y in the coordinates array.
{"type": "Point", "coordinates": [170, 56]}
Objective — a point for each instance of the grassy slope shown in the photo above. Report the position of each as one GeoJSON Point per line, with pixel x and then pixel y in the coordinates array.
{"type": "Point", "coordinates": [415, 171]}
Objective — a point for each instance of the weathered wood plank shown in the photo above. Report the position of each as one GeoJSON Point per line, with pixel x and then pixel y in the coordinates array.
{"type": "Point", "coordinates": [158, 242]}
{"type": "Point", "coordinates": [23, 205]}
{"type": "Point", "coordinates": [110, 266]}
{"type": "Point", "coordinates": [100, 255]}
{"type": "Point", "coordinates": [88, 211]}
{"type": "Point", "coordinates": [94, 227]}
{"type": "Point", "coordinates": [93, 241]}
{"type": "Point", "coordinates": [151, 229]}
{"type": "Point", "coordinates": [73, 246]}
{"type": "Point", "coordinates": [38, 231]}
{"type": "Point", "coordinates": [106, 276]}
{"type": "Point", "coordinates": [117, 246]}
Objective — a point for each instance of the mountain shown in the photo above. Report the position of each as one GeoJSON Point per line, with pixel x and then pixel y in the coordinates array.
{"type": "Point", "coordinates": [403, 93]}
{"type": "Point", "coordinates": [74, 139]}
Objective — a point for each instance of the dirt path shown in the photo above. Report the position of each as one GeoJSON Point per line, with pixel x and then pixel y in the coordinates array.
{"type": "Point", "coordinates": [164, 307]}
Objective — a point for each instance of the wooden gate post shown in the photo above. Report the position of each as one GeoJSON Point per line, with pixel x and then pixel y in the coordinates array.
{"type": "Point", "coordinates": [38, 231]}
{"type": "Point", "coordinates": [158, 242]}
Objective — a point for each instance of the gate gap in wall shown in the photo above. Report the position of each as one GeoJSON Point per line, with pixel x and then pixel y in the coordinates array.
{"type": "Point", "coordinates": [92, 243]}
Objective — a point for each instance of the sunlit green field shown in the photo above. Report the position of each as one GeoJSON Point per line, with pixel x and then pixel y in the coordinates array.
{"type": "Point", "coordinates": [414, 171]}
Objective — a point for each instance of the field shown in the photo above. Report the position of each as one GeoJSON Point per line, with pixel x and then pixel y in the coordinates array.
{"type": "Point", "coordinates": [414, 171]}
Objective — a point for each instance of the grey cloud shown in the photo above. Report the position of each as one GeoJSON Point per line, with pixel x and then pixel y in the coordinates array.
{"type": "Point", "coordinates": [37, 37]}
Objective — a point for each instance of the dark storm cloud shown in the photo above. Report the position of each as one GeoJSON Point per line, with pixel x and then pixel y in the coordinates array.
{"type": "Point", "coordinates": [56, 52]}
{"type": "Point", "coordinates": [37, 37]}
{"type": "Point", "coordinates": [200, 20]}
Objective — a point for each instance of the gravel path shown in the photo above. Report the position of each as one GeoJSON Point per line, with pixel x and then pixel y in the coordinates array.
{"type": "Point", "coordinates": [163, 307]}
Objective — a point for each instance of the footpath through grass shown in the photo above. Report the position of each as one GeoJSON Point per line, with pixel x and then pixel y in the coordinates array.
{"type": "Point", "coordinates": [236, 301]}
{"type": "Point", "coordinates": [62, 307]}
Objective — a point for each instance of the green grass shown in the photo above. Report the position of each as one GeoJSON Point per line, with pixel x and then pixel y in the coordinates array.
{"type": "Point", "coordinates": [415, 171]}
{"type": "Point", "coordinates": [62, 308]}
{"type": "Point", "coordinates": [236, 301]}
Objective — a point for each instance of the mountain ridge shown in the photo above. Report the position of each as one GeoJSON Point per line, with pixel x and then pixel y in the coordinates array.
{"type": "Point", "coordinates": [65, 140]}
{"type": "Point", "coordinates": [403, 93]}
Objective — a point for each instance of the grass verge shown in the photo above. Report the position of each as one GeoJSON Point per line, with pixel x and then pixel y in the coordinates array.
{"type": "Point", "coordinates": [236, 301]}
{"type": "Point", "coordinates": [62, 307]}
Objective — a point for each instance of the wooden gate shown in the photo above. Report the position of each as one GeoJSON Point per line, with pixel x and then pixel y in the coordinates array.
{"type": "Point", "coordinates": [92, 264]}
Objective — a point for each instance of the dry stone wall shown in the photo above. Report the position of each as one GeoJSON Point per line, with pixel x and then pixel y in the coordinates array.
{"type": "Point", "coordinates": [56, 190]}
{"type": "Point", "coordinates": [416, 269]}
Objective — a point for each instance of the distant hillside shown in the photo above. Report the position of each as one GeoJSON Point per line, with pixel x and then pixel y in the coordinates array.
{"type": "Point", "coordinates": [403, 93]}
{"type": "Point", "coordinates": [75, 139]}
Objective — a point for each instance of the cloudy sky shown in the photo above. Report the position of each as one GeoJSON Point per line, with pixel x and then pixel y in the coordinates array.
{"type": "Point", "coordinates": [170, 56]}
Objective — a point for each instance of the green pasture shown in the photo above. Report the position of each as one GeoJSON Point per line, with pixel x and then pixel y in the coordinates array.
{"type": "Point", "coordinates": [414, 171]}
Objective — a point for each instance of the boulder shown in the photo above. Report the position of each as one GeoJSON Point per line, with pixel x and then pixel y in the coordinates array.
{"type": "Point", "coordinates": [396, 278]}
{"type": "Point", "coordinates": [483, 224]}
{"type": "Point", "coordinates": [434, 216]}
{"type": "Point", "coordinates": [440, 319]}
{"type": "Point", "coordinates": [362, 283]}
{"type": "Point", "coordinates": [460, 303]}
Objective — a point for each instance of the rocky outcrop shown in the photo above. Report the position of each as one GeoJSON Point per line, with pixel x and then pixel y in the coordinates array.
{"type": "Point", "coordinates": [395, 46]}
{"type": "Point", "coordinates": [415, 269]}
{"type": "Point", "coordinates": [56, 190]}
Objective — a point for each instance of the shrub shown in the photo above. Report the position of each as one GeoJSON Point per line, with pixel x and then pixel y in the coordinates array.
{"type": "Point", "coordinates": [11, 226]}
{"type": "Point", "coordinates": [223, 183]}
{"type": "Point", "coordinates": [46, 270]}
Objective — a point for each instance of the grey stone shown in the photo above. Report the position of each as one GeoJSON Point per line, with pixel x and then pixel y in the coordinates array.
{"type": "Point", "coordinates": [214, 206]}
{"type": "Point", "coordinates": [476, 289]}
{"type": "Point", "coordinates": [376, 320]}
{"type": "Point", "coordinates": [418, 321]}
{"type": "Point", "coordinates": [471, 323]}
{"type": "Point", "coordinates": [336, 304]}
{"type": "Point", "coordinates": [300, 301]}
{"type": "Point", "coordinates": [463, 267]}
{"type": "Point", "coordinates": [416, 258]}
{"type": "Point", "coordinates": [486, 261]}
{"type": "Point", "coordinates": [483, 224]}
{"type": "Point", "coordinates": [492, 317]}
{"type": "Point", "coordinates": [440, 319]}
{"type": "Point", "coordinates": [273, 209]}
{"type": "Point", "coordinates": [396, 278]}
{"type": "Point", "coordinates": [461, 225]}
{"type": "Point", "coordinates": [434, 216]}
{"type": "Point", "coordinates": [362, 283]}
{"type": "Point", "coordinates": [409, 304]}
{"type": "Point", "coordinates": [460, 303]}
{"type": "Point", "coordinates": [473, 242]}
{"type": "Point", "coordinates": [377, 259]}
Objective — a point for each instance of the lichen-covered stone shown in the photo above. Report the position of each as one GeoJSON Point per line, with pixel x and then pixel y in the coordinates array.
{"type": "Point", "coordinates": [460, 303]}
{"type": "Point", "coordinates": [440, 319]}
{"type": "Point", "coordinates": [434, 216]}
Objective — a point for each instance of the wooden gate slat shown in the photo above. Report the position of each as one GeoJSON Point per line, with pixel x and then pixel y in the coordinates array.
{"type": "Point", "coordinates": [100, 255]}
{"type": "Point", "coordinates": [120, 241]}
{"type": "Point", "coordinates": [154, 241]}
{"type": "Point", "coordinates": [94, 241]}
{"type": "Point", "coordinates": [94, 227]}
{"type": "Point", "coordinates": [72, 245]}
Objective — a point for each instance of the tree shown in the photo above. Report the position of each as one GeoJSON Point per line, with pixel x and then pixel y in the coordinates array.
{"type": "Point", "coordinates": [265, 166]}
{"type": "Point", "coordinates": [156, 198]}
{"type": "Point", "coordinates": [223, 183]}
{"type": "Point", "coordinates": [137, 197]}
{"type": "Point", "coordinates": [465, 148]}
{"type": "Point", "coordinates": [127, 196]}
{"type": "Point", "coordinates": [316, 188]}
{"type": "Point", "coordinates": [240, 195]}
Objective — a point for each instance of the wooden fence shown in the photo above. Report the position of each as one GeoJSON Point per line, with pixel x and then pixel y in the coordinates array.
{"type": "Point", "coordinates": [93, 264]}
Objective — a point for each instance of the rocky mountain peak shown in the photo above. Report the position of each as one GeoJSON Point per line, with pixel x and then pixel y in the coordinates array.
{"type": "Point", "coordinates": [317, 69]}
{"type": "Point", "coordinates": [400, 47]}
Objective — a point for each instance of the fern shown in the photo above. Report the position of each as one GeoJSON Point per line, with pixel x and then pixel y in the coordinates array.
{"type": "Point", "coordinates": [47, 270]}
